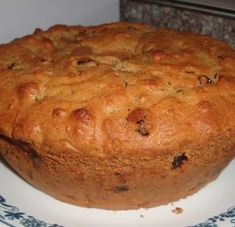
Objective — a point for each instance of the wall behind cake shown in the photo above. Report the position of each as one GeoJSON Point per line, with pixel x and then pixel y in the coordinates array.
{"type": "Point", "coordinates": [216, 22]}
{"type": "Point", "coordinates": [20, 17]}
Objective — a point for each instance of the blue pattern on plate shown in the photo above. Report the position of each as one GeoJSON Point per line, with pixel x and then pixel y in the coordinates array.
{"type": "Point", "coordinates": [219, 220]}
{"type": "Point", "coordinates": [12, 217]}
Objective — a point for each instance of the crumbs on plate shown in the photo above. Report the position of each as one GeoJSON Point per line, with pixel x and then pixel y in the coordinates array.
{"type": "Point", "coordinates": [178, 210]}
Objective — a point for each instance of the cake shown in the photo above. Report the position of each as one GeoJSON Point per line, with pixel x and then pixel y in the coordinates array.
{"type": "Point", "coordinates": [117, 116]}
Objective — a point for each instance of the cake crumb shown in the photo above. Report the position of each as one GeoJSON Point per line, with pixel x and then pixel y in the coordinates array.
{"type": "Point", "coordinates": [178, 210]}
{"type": "Point", "coordinates": [142, 216]}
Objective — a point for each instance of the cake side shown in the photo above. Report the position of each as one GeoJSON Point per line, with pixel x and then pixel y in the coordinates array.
{"type": "Point", "coordinates": [120, 183]}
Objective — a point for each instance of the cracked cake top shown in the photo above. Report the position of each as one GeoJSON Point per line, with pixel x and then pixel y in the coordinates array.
{"type": "Point", "coordinates": [118, 89]}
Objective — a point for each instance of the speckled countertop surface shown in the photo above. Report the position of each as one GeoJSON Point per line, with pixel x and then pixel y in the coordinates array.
{"type": "Point", "coordinates": [160, 15]}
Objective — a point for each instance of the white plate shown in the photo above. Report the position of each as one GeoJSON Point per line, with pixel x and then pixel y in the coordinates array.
{"type": "Point", "coordinates": [23, 205]}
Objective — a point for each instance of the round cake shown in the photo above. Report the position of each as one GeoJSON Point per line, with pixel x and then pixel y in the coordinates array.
{"type": "Point", "coordinates": [117, 116]}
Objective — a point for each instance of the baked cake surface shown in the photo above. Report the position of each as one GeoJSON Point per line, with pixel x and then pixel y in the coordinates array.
{"type": "Point", "coordinates": [117, 116]}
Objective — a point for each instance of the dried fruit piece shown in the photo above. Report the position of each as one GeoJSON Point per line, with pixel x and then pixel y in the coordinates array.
{"type": "Point", "coordinates": [138, 116]}
{"type": "Point", "coordinates": [86, 62]}
{"type": "Point", "coordinates": [142, 128]}
{"type": "Point", "coordinates": [121, 188]}
{"type": "Point", "coordinates": [205, 80]}
{"type": "Point", "coordinates": [178, 160]}
{"type": "Point", "coordinates": [11, 66]}
{"type": "Point", "coordinates": [147, 48]}
{"type": "Point", "coordinates": [131, 28]}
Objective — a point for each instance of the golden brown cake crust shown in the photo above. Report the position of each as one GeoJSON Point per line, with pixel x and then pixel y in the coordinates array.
{"type": "Point", "coordinates": [119, 115]}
